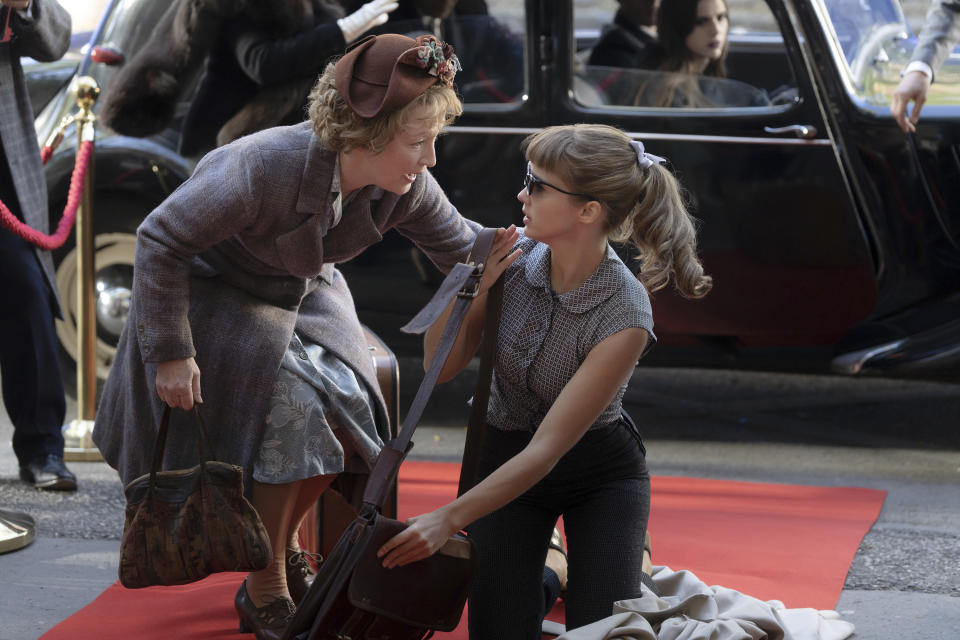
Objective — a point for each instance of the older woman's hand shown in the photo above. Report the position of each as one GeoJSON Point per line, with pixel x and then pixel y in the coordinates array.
{"type": "Point", "coordinates": [500, 256]}
{"type": "Point", "coordinates": [178, 383]}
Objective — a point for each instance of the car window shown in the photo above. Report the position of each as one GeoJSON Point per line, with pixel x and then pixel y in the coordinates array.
{"type": "Point", "coordinates": [491, 49]}
{"type": "Point", "coordinates": [623, 64]}
{"type": "Point", "coordinates": [875, 42]}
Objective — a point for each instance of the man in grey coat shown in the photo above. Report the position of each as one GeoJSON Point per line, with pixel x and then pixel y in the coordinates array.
{"type": "Point", "coordinates": [939, 35]}
{"type": "Point", "coordinates": [32, 386]}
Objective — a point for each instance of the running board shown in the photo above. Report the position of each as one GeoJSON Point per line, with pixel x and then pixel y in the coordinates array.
{"type": "Point", "coordinates": [935, 351]}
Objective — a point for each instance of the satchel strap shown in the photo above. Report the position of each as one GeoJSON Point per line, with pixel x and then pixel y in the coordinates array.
{"type": "Point", "coordinates": [461, 285]}
{"type": "Point", "coordinates": [481, 392]}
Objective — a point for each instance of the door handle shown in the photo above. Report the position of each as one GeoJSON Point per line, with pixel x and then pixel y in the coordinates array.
{"type": "Point", "coordinates": [806, 131]}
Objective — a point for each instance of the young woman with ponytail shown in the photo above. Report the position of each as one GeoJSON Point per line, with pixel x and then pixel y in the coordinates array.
{"type": "Point", "coordinates": [575, 321]}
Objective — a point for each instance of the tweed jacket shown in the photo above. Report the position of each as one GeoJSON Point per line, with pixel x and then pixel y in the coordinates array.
{"type": "Point", "coordinates": [940, 33]}
{"type": "Point", "coordinates": [45, 38]}
{"type": "Point", "coordinates": [228, 266]}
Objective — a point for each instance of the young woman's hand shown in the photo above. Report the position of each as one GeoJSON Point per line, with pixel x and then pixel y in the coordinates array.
{"type": "Point", "coordinates": [500, 256]}
{"type": "Point", "coordinates": [178, 383]}
{"type": "Point", "coordinates": [422, 538]}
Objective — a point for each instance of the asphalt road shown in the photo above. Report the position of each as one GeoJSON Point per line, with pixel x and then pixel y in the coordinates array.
{"type": "Point", "coordinates": [895, 435]}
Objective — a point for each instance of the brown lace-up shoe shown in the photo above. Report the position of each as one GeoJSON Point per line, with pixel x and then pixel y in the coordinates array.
{"type": "Point", "coordinates": [300, 572]}
{"type": "Point", "coordinates": [267, 622]}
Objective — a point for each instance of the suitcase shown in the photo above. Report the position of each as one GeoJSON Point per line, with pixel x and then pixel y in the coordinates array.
{"type": "Point", "coordinates": [330, 516]}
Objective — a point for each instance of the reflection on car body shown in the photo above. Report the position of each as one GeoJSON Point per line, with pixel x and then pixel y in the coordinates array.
{"type": "Point", "coordinates": [833, 239]}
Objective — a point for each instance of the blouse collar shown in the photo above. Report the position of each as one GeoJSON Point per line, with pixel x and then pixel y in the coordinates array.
{"type": "Point", "coordinates": [601, 284]}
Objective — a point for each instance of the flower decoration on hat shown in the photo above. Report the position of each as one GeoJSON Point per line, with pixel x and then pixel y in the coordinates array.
{"type": "Point", "coordinates": [381, 73]}
{"type": "Point", "coordinates": [438, 59]}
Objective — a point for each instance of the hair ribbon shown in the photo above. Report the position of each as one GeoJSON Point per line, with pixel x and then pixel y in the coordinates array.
{"type": "Point", "coordinates": [645, 159]}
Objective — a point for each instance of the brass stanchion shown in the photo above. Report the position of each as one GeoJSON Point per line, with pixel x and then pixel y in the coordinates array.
{"type": "Point", "coordinates": [78, 435]}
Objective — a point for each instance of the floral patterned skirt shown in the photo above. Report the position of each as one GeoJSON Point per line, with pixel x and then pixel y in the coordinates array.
{"type": "Point", "coordinates": [317, 403]}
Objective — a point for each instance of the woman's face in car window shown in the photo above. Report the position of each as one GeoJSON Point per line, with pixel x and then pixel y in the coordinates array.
{"type": "Point", "coordinates": [709, 36]}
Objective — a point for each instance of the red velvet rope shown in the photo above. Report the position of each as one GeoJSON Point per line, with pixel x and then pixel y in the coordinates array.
{"type": "Point", "coordinates": [56, 240]}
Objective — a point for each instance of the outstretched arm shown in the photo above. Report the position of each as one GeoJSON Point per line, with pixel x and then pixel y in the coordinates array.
{"type": "Point", "coordinates": [584, 397]}
{"type": "Point", "coordinates": [939, 35]}
{"type": "Point", "coordinates": [913, 88]}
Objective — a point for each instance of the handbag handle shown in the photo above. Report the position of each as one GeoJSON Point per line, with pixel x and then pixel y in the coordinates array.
{"type": "Point", "coordinates": [160, 444]}
{"type": "Point", "coordinates": [463, 282]}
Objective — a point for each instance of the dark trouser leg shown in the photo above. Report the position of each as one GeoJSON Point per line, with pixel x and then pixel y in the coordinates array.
{"type": "Point", "coordinates": [507, 595]}
{"type": "Point", "coordinates": [29, 360]}
{"type": "Point", "coordinates": [605, 547]}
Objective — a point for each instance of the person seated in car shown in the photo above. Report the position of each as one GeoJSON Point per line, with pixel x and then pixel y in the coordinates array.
{"type": "Point", "coordinates": [693, 35]}
{"type": "Point", "coordinates": [631, 39]}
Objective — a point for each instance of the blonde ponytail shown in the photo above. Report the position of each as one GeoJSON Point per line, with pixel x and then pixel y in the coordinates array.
{"type": "Point", "coordinates": [664, 233]}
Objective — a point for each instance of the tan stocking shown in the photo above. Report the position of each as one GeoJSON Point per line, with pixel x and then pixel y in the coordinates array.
{"type": "Point", "coordinates": [310, 491]}
{"type": "Point", "coordinates": [275, 504]}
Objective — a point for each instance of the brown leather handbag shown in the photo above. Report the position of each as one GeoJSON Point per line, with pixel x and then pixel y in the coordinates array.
{"type": "Point", "coordinates": [185, 524]}
{"type": "Point", "coordinates": [353, 596]}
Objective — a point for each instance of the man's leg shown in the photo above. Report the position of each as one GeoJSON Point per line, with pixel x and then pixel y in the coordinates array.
{"type": "Point", "coordinates": [32, 385]}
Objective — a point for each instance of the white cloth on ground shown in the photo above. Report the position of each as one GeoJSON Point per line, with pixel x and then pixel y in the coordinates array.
{"type": "Point", "coordinates": [688, 609]}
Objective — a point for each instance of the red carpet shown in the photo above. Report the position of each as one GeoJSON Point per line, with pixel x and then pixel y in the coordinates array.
{"type": "Point", "coordinates": [785, 542]}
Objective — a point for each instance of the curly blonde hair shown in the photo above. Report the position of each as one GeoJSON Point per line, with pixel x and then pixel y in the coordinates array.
{"type": "Point", "coordinates": [341, 129]}
{"type": "Point", "coordinates": [644, 206]}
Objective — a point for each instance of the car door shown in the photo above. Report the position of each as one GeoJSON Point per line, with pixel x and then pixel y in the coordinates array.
{"type": "Point", "coordinates": [779, 229]}
{"type": "Point", "coordinates": [910, 183]}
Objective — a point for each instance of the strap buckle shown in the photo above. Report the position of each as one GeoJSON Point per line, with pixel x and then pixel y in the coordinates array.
{"type": "Point", "coordinates": [467, 291]}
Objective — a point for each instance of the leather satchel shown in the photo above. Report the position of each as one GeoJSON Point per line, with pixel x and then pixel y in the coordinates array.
{"type": "Point", "coordinates": [353, 596]}
{"type": "Point", "coordinates": [185, 524]}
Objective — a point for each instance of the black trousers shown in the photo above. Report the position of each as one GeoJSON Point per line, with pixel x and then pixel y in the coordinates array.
{"type": "Point", "coordinates": [602, 489]}
{"type": "Point", "coordinates": [29, 354]}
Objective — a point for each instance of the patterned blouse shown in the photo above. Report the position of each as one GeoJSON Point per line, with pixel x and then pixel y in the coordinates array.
{"type": "Point", "coordinates": [545, 337]}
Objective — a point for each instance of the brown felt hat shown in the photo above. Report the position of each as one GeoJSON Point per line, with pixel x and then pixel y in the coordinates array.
{"type": "Point", "coordinates": [382, 73]}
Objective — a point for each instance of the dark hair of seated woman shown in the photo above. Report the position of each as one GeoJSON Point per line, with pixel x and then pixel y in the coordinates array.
{"type": "Point", "coordinates": [693, 35]}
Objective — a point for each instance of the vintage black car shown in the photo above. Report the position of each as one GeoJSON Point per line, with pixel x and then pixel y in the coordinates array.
{"type": "Point", "coordinates": [833, 238]}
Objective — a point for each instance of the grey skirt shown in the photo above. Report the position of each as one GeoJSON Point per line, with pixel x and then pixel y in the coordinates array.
{"type": "Point", "coordinates": [317, 403]}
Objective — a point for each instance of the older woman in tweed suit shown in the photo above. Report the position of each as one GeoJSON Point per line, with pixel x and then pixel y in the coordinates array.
{"type": "Point", "coordinates": [235, 278]}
